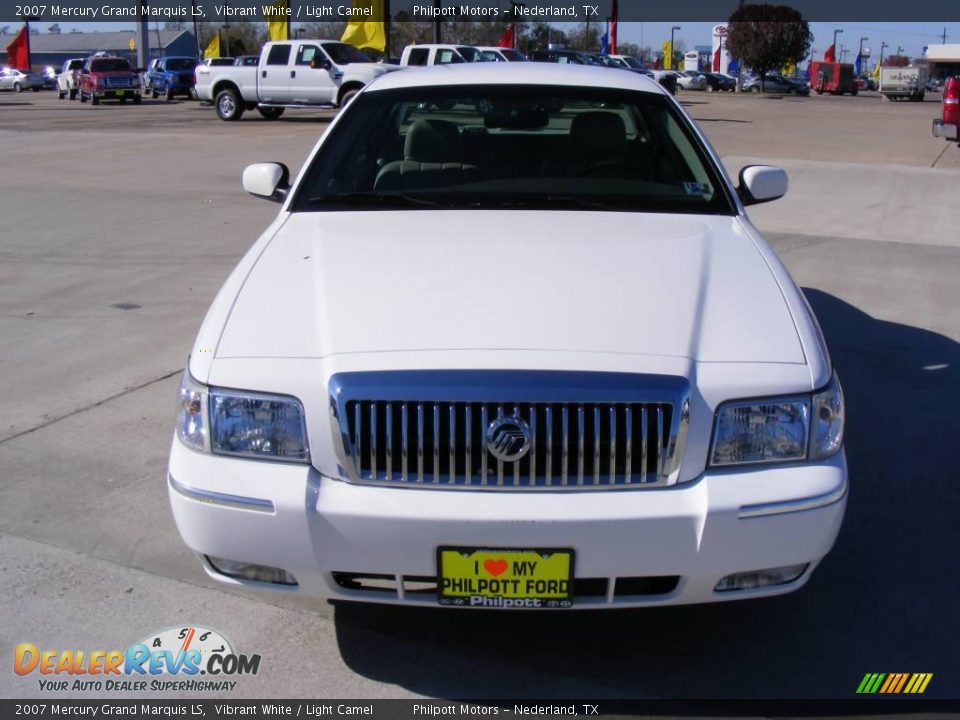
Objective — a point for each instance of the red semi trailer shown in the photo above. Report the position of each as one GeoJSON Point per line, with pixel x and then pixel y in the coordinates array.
{"type": "Point", "coordinates": [832, 77]}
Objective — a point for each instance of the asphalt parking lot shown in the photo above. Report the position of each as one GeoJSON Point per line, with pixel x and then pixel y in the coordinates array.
{"type": "Point", "coordinates": [119, 223]}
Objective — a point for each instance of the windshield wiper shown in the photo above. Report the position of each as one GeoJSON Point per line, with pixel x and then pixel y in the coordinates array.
{"type": "Point", "coordinates": [388, 199]}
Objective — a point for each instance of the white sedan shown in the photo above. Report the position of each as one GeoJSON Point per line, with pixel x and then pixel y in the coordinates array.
{"type": "Point", "coordinates": [512, 341]}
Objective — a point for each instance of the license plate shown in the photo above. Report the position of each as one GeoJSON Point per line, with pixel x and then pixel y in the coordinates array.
{"type": "Point", "coordinates": [505, 578]}
{"type": "Point", "coordinates": [119, 93]}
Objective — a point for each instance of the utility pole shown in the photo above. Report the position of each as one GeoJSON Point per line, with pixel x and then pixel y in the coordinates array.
{"type": "Point", "coordinates": [836, 50]}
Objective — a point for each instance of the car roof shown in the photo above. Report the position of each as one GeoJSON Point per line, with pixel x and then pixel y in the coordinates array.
{"type": "Point", "coordinates": [516, 74]}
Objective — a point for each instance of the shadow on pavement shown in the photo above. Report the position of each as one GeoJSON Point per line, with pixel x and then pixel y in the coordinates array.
{"type": "Point", "coordinates": [882, 601]}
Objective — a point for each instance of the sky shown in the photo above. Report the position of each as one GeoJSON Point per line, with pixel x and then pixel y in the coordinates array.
{"type": "Point", "coordinates": [912, 37]}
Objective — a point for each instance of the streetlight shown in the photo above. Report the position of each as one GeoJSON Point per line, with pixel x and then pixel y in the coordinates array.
{"type": "Point", "coordinates": [672, 30]}
{"type": "Point", "coordinates": [860, 55]}
{"type": "Point", "coordinates": [835, 33]}
{"type": "Point", "coordinates": [899, 50]}
{"type": "Point", "coordinates": [882, 46]}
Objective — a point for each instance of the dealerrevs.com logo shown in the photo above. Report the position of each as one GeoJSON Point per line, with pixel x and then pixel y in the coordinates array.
{"type": "Point", "coordinates": [169, 660]}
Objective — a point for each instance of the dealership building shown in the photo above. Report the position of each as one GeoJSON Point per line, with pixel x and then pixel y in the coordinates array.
{"type": "Point", "coordinates": [943, 60]}
{"type": "Point", "coordinates": [55, 48]}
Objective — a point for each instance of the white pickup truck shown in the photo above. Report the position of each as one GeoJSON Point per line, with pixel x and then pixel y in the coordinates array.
{"type": "Point", "coordinates": [295, 73]}
{"type": "Point", "coordinates": [898, 83]}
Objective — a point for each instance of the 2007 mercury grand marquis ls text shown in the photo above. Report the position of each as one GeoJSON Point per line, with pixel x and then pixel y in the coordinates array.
{"type": "Point", "coordinates": [511, 342]}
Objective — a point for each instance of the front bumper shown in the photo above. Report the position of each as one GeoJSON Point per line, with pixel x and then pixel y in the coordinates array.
{"type": "Point", "coordinates": [322, 530]}
{"type": "Point", "coordinates": [115, 93]}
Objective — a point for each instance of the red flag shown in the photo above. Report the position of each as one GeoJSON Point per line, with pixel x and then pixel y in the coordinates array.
{"type": "Point", "coordinates": [830, 55]}
{"type": "Point", "coordinates": [18, 51]}
{"type": "Point", "coordinates": [716, 60]}
{"type": "Point", "coordinates": [506, 40]}
{"type": "Point", "coordinates": [613, 29]}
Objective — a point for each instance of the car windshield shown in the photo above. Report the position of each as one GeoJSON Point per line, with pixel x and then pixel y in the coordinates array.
{"type": "Point", "coordinates": [470, 54]}
{"type": "Point", "coordinates": [513, 55]}
{"type": "Point", "coordinates": [344, 54]}
{"type": "Point", "coordinates": [110, 65]}
{"type": "Point", "coordinates": [75, 65]}
{"type": "Point", "coordinates": [633, 62]}
{"type": "Point", "coordinates": [513, 147]}
{"type": "Point", "coordinates": [181, 64]}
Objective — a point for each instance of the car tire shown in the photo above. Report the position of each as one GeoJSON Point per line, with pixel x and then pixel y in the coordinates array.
{"type": "Point", "coordinates": [792, 91]}
{"type": "Point", "coordinates": [73, 94]}
{"type": "Point", "coordinates": [270, 113]}
{"type": "Point", "coordinates": [17, 88]}
{"type": "Point", "coordinates": [169, 94]}
{"type": "Point", "coordinates": [137, 99]}
{"type": "Point", "coordinates": [61, 95]}
{"type": "Point", "coordinates": [83, 98]}
{"type": "Point", "coordinates": [755, 89]}
{"type": "Point", "coordinates": [154, 94]}
{"type": "Point", "coordinates": [229, 105]}
{"type": "Point", "coordinates": [94, 100]}
{"type": "Point", "coordinates": [709, 88]}
{"type": "Point", "coordinates": [347, 97]}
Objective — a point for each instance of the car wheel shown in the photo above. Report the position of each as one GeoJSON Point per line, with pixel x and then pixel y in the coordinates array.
{"type": "Point", "coordinates": [229, 105]}
{"type": "Point", "coordinates": [169, 94]}
{"type": "Point", "coordinates": [347, 97]}
{"type": "Point", "coordinates": [792, 91]}
{"type": "Point", "coordinates": [73, 94]}
{"type": "Point", "coordinates": [17, 88]}
{"type": "Point", "coordinates": [270, 113]}
{"type": "Point", "coordinates": [137, 99]}
{"type": "Point", "coordinates": [154, 94]}
{"type": "Point", "coordinates": [83, 98]}
{"type": "Point", "coordinates": [94, 100]}
{"type": "Point", "coordinates": [755, 89]}
{"type": "Point", "coordinates": [61, 95]}
{"type": "Point", "coordinates": [709, 88]}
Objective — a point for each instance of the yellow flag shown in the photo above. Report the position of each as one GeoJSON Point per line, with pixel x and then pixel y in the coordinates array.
{"type": "Point", "coordinates": [788, 69]}
{"type": "Point", "coordinates": [213, 48]}
{"type": "Point", "coordinates": [367, 33]}
{"type": "Point", "coordinates": [876, 71]}
{"type": "Point", "coordinates": [278, 22]}
{"type": "Point", "coordinates": [668, 55]}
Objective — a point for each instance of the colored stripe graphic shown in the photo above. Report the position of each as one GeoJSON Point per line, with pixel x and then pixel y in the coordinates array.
{"type": "Point", "coordinates": [894, 683]}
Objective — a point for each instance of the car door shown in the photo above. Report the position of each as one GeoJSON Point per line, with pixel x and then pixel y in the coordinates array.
{"type": "Point", "coordinates": [313, 76]}
{"type": "Point", "coordinates": [273, 74]}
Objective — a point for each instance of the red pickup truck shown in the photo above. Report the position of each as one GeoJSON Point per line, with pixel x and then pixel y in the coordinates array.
{"type": "Point", "coordinates": [108, 78]}
{"type": "Point", "coordinates": [948, 124]}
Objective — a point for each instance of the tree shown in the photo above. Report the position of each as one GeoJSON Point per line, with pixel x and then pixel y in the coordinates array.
{"type": "Point", "coordinates": [586, 36]}
{"type": "Point", "coordinates": [766, 37]}
{"type": "Point", "coordinates": [539, 35]}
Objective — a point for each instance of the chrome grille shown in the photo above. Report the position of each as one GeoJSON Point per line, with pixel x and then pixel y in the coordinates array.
{"type": "Point", "coordinates": [117, 82]}
{"type": "Point", "coordinates": [395, 429]}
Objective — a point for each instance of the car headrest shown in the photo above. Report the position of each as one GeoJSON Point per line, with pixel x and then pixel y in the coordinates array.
{"type": "Point", "coordinates": [601, 133]}
{"type": "Point", "coordinates": [432, 140]}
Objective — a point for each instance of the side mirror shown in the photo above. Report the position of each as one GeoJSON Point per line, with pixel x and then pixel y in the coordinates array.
{"type": "Point", "coordinates": [267, 180]}
{"type": "Point", "coordinates": [761, 183]}
{"type": "Point", "coordinates": [319, 63]}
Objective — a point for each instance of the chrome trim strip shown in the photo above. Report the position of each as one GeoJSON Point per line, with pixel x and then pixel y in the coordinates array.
{"type": "Point", "coordinates": [792, 506]}
{"type": "Point", "coordinates": [214, 498]}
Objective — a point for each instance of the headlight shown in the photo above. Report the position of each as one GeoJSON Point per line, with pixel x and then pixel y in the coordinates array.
{"type": "Point", "coordinates": [242, 424]}
{"type": "Point", "coordinates": [775, 430]}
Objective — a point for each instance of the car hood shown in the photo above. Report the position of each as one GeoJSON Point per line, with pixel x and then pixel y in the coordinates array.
{"type": "Point", "coordinates": [613, 282]}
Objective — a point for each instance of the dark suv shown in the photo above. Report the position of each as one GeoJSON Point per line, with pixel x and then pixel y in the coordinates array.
{"type": "Point", "coordinates": [573, 57]}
